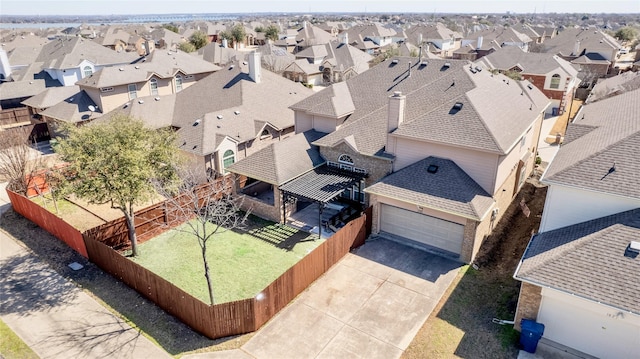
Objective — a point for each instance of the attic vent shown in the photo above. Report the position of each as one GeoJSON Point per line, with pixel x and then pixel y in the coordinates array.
{"type": "Point", "coordinates": [157, 98]}
{"type": "Point", "coordinates": [197, 122]}
{"type": "Point", "coordinates": [219, 117]}
{"type": "Point", "coordinates": [236, 112]}
{"type": "Point", "coordinates": [530, 87]}
{"type": "Point", "coordinates": [432, 169]}
{"type": "Point", "coordinates": [141, 101]}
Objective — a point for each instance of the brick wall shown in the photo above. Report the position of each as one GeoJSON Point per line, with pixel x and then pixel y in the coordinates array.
{"type": "Point", "coordinates": [528, 303]}
{"type": "Point", "coordinates": [376, 167]}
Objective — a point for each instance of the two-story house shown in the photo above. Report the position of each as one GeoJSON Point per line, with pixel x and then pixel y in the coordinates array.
{"type": "Point", "coordinates": [443, 40]}
{"type": "Point", "coordinates": [430, 145]}
{"type": "Point", "coordinates": [160, 73]}
{"type": "Point", "coordinates": [580, 273]}
{"type": "Point", "coordinates": [552, 75]}
{"type": "Point", "coordinates": [71, 59]}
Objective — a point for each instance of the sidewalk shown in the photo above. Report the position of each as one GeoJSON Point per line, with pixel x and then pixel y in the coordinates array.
{"type": "Point", "coordinates": [56, 318]}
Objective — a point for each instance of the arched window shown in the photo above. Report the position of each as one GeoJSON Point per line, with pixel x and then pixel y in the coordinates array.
{"type": "Point", "coordinates": [346, 159]}
{"type": "Point", "coordinates": [88, 71]}
{"type": "Point", "coordinates": [228, 158]}
{"type": "Point", "coordinates": [153, 84]}
{"type": "Point", "coordinates": [555, 81]}
{"type": "Point", "coordinates": [178, 83]}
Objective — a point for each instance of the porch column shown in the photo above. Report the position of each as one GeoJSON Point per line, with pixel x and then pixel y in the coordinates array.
{"type": "Point", "coordinates": [320, 208]}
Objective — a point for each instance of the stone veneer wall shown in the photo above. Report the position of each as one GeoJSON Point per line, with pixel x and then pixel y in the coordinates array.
{"type": "Point", "coordinates": [528, 303]}
{"type": "Point", "coordinates": [377, 167]}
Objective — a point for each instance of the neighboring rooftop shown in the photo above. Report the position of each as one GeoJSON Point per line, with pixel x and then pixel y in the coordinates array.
{"type": "Point", "coordinates": [591, 260]}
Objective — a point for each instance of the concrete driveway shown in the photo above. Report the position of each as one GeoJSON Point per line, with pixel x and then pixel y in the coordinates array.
{"type": "Point", "coordinates": [57, 319]}
{"type": "Point", "coordinates": [369, 305]}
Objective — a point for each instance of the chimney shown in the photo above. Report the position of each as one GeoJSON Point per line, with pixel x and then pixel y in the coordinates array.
{"type": "Point", "coordinates": [255, 69]}
{"type": "Point", "coordinates": [419, 39]}
{"type": "Point", "coordinates": [479, 43]}
{"type": "Point", "coordinates": [147, 51]}
{"type": "Point", "coordinates": [345, 38]}
{"type": "Point", "coordinates": [5, 67]}
{"type": "Point", "coordinates": [420, 54]}
{"type": "Point", "coordinates": [395, 115]}
{"type": "Point", "coordinates": [225, 43]}
{"type": "Point", "coordinates": [576, 48]}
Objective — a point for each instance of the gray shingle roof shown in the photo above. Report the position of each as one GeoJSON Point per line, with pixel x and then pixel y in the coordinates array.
{"type": "Point", "coordinates": [530, 63]}
{"type": "Point", "coordinates": [450, 189]}
{"type": "Point", "coordinates": [484, 123]}
{"type": "Point", "coordinates": [21, 89]}
{"type": "Point", "coordinates": [70, 52]}
{"type": "Point", "coordinates": [282, 161]}
{"type": "Point", "coordinates": [603, 133]}
{"type": "Point", "coordinates": [73, 109]}
{"type": "Point", "coordinates": [591, 40]}
{"type": "Point", "coordinates": [51, 96]}
{"type": "Point", "coordinates": [615, 85]}
{"type": "Point", "coordinates": [588, 260]}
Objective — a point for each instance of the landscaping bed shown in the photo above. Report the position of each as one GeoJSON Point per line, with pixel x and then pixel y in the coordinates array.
{"type": "Point", "coordinates": [461, 324]}
{"type": "Point", "coordinates": [242, 263]}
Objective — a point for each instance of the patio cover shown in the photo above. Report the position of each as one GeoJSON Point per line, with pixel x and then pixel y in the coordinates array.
{"type": "Point", "coordinates": [322, 184]}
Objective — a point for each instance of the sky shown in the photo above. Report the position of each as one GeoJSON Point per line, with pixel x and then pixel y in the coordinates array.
{"type": "Point", "coordinates": [134, 7]}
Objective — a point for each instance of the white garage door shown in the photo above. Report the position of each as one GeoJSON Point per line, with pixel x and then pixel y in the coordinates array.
{"type": "Point", "coordinates": [590, 328]}
{"type": "Point", "coordinates": [421, 228]}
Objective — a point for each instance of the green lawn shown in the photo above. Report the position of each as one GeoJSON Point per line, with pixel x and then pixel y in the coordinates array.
{"type": "Point", "coordinates": [241, 263]}
{"type": "Point", "coordinates": [11, 346]}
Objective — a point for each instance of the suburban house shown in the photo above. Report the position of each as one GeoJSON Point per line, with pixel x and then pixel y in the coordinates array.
{"type": "Point", "coordinates": [555, 77]}
{"type": "Point", "coordinates": [371, 36]}
{"type": "Point", "coordinates": [218, 55]}
{"type": "Point", "coordinates": [224, 117]}
{"type": "Point", "coordinates": [275, 58]}
{"type": "Point", "coordinates": [69, 60]}
{"type": "Point", "coordinates": [407, 119]}
{"type": "Point", "coordinates": [473, 50]}
{"type": "Point", "coordinates": [441, 39]}
{"type": "Point", "coordinates": [329, 63]}
{"type": "Point", "coordinates": [503, 36]}
{"type": "Point", "coordinates": [310, 35]}
{"type": "Point", "coordinates": [612, 86]}
{"type": "Point", "coordinates": [579, 274]}
{"type": "Point", "coordinates": [160, 73]}
{"type": "Point", "coordinates": [591, 49]}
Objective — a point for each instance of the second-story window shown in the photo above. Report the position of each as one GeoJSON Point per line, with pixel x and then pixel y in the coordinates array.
{"type": "Point", "coordinates": [88, 71]}
{"type": "Point", "coordinates": [178, 83]}
{"type": "Point", "coordinates": [555, 81]}
{"type": "Point", "coordinates": [153, 84]}
{"type": "Point", "coordinates": [228, 158]}
{"type": "Point", "coordinates": [133, 91]}
{"type": "Point", "coordinates": [346, 162]}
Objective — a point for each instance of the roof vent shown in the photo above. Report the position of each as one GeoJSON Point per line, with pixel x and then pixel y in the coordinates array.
{"type": "Point", "coordinates": [423, 64]}
{"type": "Point", "coordinates": [456, 107]}
{"type": "Point", "coordinates": [447, 64]}
{"type": "Point", "coordinates": [136, 67]}
{"type": "Point", "coordinates": [244, 62]}
{"type": "Point", "coordinates": [634, 246]}
{"type": "Point", "coordinates": [219, 117]}
{"type": "Point", "coordinates": [236, 112]}
{"type": "Point", "coordinates": [231, 67]}
{"type": "Point", "coordinates": [121, 69]}
{"type": "Point", "coordinates": [141, 101]}
{"type": "Point", "coordinates": [197, 122]}
{"type": "Point", "coordinates": [394, 61]}
{"type": "Point", "coordinates": [432, 168]}
{"type": "Point", "coordinates": [157, 98]}
{"type": "Point", "coordinates": [530, 87]}
{"type": "Point", "coordinates": [126, 105]}
{"type": "Point", "coordinates": [478, 68]}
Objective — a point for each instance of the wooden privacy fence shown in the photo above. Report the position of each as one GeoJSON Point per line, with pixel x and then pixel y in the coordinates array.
{"type": "Point", "coordinates": [243, 316]}
{"type": "Point", "coordinates": [14, 116]}
{"type": "Point", "coordinates": [157, 218]}
{"type": "Point", "coordinates": [48, 221]}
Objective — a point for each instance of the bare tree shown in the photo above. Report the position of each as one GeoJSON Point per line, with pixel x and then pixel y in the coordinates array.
{"type": "Point", "coordinates": [206, 209]}
{"type": "Point", "coordinates": [18, 161]}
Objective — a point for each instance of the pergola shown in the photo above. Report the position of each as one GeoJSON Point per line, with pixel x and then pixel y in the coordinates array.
{"type": "Point", "coordinates": [321, 185]}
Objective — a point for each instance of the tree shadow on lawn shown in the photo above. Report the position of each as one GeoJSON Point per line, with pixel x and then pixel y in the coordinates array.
{"type": "Point", "coordinates": [279, 235]}
{"type": "Point", "coordinates": [170, 333]}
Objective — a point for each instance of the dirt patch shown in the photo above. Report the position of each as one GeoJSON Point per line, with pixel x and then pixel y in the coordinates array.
{"type": "Point", "coordinates": [461, 324]}
{"type": "Point", "coordinates": [165, 330]}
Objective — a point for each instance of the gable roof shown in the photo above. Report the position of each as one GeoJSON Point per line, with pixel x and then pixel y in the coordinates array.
{"type": "Point", "coordinates": [530, 63]}
{"type": "Point", "coordinates": [601, 154]}
{"type": "Point", "coordinates": [449, 189]}
{"type": "Point", "coordinates": [21, 89]}
{"type": "Point", "coordinates": [69, 52]}
{"type": "Point", "coordinates": [73, 109]}
{"type": "Point", "coordinates": [627, 81]}
{"type": "Point", "coordinates": [484, 123]}
{"type": "Point", "coordinates": [588, 260]}
{"type": "Point", "coordinates": [282, 161]}
{"type": "Point", "coordinates": [590, 40]}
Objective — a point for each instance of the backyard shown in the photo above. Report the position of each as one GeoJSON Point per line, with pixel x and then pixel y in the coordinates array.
{"type": "Point", "coordinates": [242, 262]}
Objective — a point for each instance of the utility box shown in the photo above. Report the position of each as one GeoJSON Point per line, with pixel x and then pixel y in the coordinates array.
{"type": "Point", "coordinates": [531, 332]}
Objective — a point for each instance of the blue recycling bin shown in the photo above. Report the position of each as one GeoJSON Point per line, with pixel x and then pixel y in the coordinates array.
{"type": "Point", "coordinates": [530, 334]}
